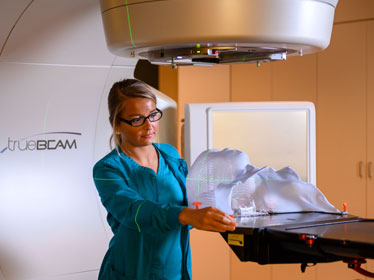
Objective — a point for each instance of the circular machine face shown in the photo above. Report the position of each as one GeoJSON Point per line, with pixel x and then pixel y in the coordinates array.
{"type": "Point", "coordinates": [214, 55]}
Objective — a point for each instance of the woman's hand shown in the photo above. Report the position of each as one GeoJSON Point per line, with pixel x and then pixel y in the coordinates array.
{"type": "Point", "coordinates": [210, 218]}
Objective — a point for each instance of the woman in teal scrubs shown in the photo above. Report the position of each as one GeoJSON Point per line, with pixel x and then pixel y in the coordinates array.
{"type": "Point", "coordinates": [142, 186]}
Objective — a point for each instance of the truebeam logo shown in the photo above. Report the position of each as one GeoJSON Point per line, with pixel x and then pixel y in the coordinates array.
{"type": "Point", "coordinates": [27, 144]}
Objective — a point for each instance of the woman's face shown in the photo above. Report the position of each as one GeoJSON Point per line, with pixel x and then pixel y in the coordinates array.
{"type": "Point", "coordinates": [142, 135]}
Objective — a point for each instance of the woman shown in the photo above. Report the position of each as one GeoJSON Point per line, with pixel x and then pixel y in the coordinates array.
{"type": "Point", "coordinates": [142, 187]}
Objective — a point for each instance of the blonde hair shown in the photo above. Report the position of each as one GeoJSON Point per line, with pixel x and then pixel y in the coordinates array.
{"type": "Point", "coordinates": [118, 94]}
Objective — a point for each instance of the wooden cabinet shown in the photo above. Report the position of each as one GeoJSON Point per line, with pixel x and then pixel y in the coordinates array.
{"type": "Point", "coordinates": [343, 128]}
{"type": "Point", "coordinates": [251, 83]}
{"type": "Point", "coordinates": [341, 118]}
{"type": "Point", "coordinates": [295, 79]}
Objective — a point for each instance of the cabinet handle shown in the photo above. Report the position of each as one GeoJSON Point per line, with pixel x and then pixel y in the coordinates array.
{"type": "Point", "coordinates": [369, 169]}
{"type": "Point", "coordinates": [360, 169]}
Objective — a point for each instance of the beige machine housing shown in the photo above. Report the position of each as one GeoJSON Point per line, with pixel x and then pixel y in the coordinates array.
{"type": "Point", "coordinates": [216, 31]}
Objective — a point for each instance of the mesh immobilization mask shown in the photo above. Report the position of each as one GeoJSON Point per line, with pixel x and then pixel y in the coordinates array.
{"type": "Point", "coordinates": [226, 179]}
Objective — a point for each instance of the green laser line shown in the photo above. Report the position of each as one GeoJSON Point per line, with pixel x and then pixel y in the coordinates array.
{"type": "Point", "coordinates": [106, 179]}
{"type": "Point", "coordinates": [136, 215]}
{"type": "Point", "coordinates": [128, 20]}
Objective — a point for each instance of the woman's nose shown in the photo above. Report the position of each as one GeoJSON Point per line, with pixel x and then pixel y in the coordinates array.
{"type": "Point", "coordinates": [147, 124]}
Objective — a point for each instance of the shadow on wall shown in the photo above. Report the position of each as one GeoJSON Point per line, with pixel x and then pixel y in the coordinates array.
{"type": "Point", "coordinates": [147, 72]}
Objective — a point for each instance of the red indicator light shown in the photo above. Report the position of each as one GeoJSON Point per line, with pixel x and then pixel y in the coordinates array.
{"type": "Point", "coordinates": [302, 236]}
{"type": "Point", "coordinates": [310, 242]}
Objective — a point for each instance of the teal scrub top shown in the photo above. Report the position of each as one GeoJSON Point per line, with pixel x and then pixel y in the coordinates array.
{"type": "Point", "coordinates": [143, 209]}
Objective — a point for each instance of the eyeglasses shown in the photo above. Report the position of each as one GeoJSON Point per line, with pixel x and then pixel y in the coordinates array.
{"type": "Point", "coordinates": [154, 117]}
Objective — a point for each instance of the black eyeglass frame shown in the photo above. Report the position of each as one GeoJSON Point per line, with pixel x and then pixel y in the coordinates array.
{"type": "Point", "coordinates": [130, 122]}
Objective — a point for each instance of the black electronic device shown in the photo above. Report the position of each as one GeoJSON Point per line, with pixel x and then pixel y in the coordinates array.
{"type": "Point", "coordinates": [305, 238]}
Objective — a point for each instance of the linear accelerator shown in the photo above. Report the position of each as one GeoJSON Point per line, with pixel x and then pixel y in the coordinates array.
{"type": "Point", "coordinates": [54, 145]}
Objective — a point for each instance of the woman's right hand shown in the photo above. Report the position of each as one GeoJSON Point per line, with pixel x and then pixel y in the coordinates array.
{"type": "Point", "coordinates": [209, 218]}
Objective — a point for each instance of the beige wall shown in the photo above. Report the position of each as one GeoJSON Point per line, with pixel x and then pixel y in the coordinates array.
{"type": "Point", "coordinates": [340, 82]}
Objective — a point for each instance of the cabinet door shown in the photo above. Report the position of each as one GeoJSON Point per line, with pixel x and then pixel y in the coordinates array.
{"type": "Point", "coordinates": [341, 127]}
{"type": "Point", "coordinates": [295, 79]}
{"type": "Point", "coordinates": [341, 118]}
{"type": "Point", "coordinates": [370, 118]}
{"type": "Point", "coordinates": [251, 83]}
{"type": "Point", "coordinates": [370, 127]}
{"type": "Point", "coordinates": [291, 80]}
